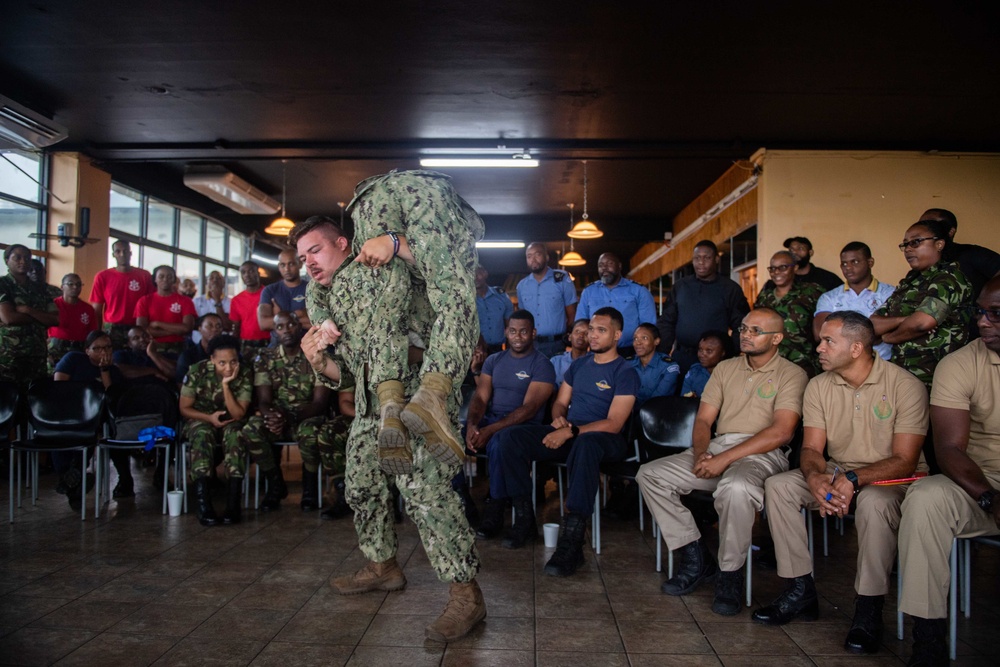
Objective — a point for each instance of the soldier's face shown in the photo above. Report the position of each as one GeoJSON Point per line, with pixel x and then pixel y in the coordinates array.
{"type": "Point", "coordinates": [210, 327]}
{"type": "Point", "coordinates": [782, 269]}
{"type": "Point", "coordinates": [579, 337]}
{"type": "Point", "coordinates": [603, 334]}
{"type": "Point", "coordinates": [705, 262]}
{"type": "Point", "coordinates": [835, 350]}
{"type": "Point", "coordinates": [289, 266]}
{"type": "Point", "coordinates": [710, 353]}
{"type": "Point", "coordinates": [122, 253]}
{"type": "Point", "coordinates": [481, 276]}
{"type": "Point", "coordinates": [536, 257]}
{"type": "Point", "coordinates": [520, 336]}
{"type": "Point", "coordinates": [644, 342]}
{"type": "Point", "coordinates": [928, 251]}
{"type": "Point", "coordinates": [288, 329]}
{"type": "Point", "coordinates": [71, 286]}
{"type": "Point", "coordinates": [801, 253]}
{"type": "Point", "coordinates": [855, 266]}
{"type": "Point", "coordinates": [99, 351]}
{"type": "Point", "coordinates": [753, 344]}
{"type": "Point", "coordinates": [216, 282]}
{"type": "Point", "coordinates": [138, 339]}
{"type": "Point", "coordinates": [250, 275]}
{"type": "Point", "coordinates": [226, 362]}
{"type": "Point", "coordinates": [19, 262]}
{"type": "Point", "coordinates": [165, 281]}
{"type": "Point", "coordinates": [989, 301]}
{"type": "Point", "coordinates": [609, 268]}
{"type": "Point", "coordinates": [321, 254]}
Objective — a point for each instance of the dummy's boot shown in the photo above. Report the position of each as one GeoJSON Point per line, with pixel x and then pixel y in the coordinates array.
{"type": "Point", "coordinates": [391, 432]}
{"type": "Point", "coordinates": [695, 566]}
{"type": "Point", "coordinates": [338, 508]}
{"type": "Point", "coordinates": [427, 414]}
{"type": "Point", "coordinates": [930, 649]}
{"type": "Point", "coordinates": [492, 522]}
{"type": "Point", "coordinates": [276, 490]}
{"type": "Point", "coordinates": [464, 610]}
{"type": "Point", "coordinates": [234, 498]}
{"type": "Point", "coordinates": [203, 503]}
{"type": "Point", "coordinates": [728, 593]}
{"type": "Point", "coordinates": [397, 505]}
{"type": "Point", "coordinates": [385, 576]}
{"type": "Point", "coordinates": [798, 601]}
{"type": "Point", "coordinates": [569, 550]}
{"type": "Point", "coordinates": [865, 635]}
{"type": "Point", "coordinates": [524, 529]}
{"type": "Point", "coordinates": [468, 504]}
{"type": "Point", "coordinates": [310, 491]}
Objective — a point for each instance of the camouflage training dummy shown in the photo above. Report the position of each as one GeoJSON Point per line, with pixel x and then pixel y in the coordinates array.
{"type": "Point", "coordinates": [418, 217]}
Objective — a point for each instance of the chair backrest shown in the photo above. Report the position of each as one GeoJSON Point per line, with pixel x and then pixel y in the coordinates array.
{"type": "Point", "coordinates": [141, 405]}
{"type": "Point", "coordinates": [667, 423]}
{"type": "Point", "coordinates": [10, 401]}
{"type": "Point", "coordinates": [66, 410]}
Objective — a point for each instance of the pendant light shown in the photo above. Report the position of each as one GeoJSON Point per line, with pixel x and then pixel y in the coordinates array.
{"type": "Point", "coordinates": [585, 229]}
{"type": "Point", "coordinates": [572, 258]}
{"type": "Point", "coordinates": [281, 226]}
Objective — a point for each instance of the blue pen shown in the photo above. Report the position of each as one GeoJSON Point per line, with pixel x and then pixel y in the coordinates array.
{"type": "Point", "coordinates": [835, 471]}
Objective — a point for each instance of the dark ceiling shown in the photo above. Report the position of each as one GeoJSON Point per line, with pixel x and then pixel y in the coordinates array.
{"type": "Point", "coordinates": [660, 98]}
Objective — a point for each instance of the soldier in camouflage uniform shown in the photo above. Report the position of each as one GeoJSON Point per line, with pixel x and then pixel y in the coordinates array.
{"type": "Point", "coordinates": [26, 311]}
{"type": "Point", "coordinates": [214, 400]}
{"type": "Point", "coordinates": [357, 297]}
{"type": "Point", "coordinates": [418, 216]}
{"type": "Point", "coordinates": [795, 301]}
{"type": "Point", "coordinates": [927, 316]}
{"type": "Point", "coordinates": [291, 405]}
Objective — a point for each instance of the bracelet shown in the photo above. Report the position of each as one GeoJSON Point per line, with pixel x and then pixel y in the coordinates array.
{"type": "Point", "coordinates": [395, 242]}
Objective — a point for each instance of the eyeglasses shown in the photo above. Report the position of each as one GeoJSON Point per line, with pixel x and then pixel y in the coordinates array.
{"type": "Point", "coordinates": [913, 243]}
{"type": "Point", "coordinates": [100, 348]}
{"type": "Point", "coordinates": [753, 331]}
{"type": "Point", "coordinates": [780, 268]}
{"type": "Point", "coordinates": [991, 314]}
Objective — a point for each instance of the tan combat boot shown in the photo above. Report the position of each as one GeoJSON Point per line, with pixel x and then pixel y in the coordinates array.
{"type": "Point", "coordinates": [394, 453]}
{"type": "Point", "coordinates": [464, 610]}
{"type": "Point", "coordinates": [427, 414]}
{"type": "Point", "coordinates": [374, 576]}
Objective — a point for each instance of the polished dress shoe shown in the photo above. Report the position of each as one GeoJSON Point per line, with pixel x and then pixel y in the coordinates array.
{"type": "Point", "coordinates": [695, 566]}
{"type": "Point", "coordinates": [797, 601]}
{"type": "Point", "coordinates": [865, 635]}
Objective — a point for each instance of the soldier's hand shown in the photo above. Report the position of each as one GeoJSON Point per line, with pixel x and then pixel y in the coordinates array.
{"type": "Point", "coordinates": [329, 333]}
{"type": "Point", "coordinates": [560, 422]}
{"type": "Point", "coordinates": [216, 419]}
{"type": "Point", "coordinates": [376, 251]}
{"type": "Point", "coordinates": [276, 308]}
{"type": "Point", "coordinates": [313, 346]}
{"type": "Point", "coordinates": [226, 379]}
{"type": "Point", "coordinates": [472, 438]}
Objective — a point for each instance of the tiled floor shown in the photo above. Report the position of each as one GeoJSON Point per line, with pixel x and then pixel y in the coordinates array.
{"type": "Point", "coordinates": [138, 588]}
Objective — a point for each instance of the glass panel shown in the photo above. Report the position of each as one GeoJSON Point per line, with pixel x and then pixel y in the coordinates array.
{"type": "Point", "coordinates": [160, 226]}
{"type": "Point", "coordinates": [154, 257]}
{"type": "Point", "coordinates": [17, 222]}
{"type": "Point", "coordinates": [13, 182]}
{"type": "Point", "coordinates": [190, 237]}
{"type": "Point", "coordinates": [189, 267]}
{"type": "Point", "coordinates": [126, 214]}
{"type": "Point", "coordinates": [236, 248]}
{"type": "Point", "coordinates": [215, 241]}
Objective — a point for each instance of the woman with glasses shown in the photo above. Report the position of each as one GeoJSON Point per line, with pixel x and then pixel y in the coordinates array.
{"type": "Point", "coordinates": [26, 312]}
{"type": "Point", "coordinates": [927, 316]}
{"type": "Point", "coordinates": [795, 301]}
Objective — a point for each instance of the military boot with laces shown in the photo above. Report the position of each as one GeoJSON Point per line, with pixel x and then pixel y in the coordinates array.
{"type": "Point", "coordinates": [427, 415]}
{"type": "Point", "coordinates": [728, 593]}
{"type": "Point", "coordinates": [464, 610]}
{"type": "Point", "coordinates": [865, 635]}
{"type": "Point", "coordinates": [384, 576]}
{"type": "Point", "coordinates": [391, 432]}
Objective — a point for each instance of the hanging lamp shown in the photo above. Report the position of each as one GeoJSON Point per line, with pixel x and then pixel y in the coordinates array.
{"type": "Point", "coordinates": [572, 258]}
{"type": "Point", "coordinates": [281, 226]}
{"type": "Point", "coordinates": [585, 229]}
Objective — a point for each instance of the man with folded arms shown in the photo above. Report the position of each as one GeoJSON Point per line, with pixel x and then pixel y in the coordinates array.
{"type": "Point", "coordinates": [965, 500]}
{"type": "Point", "coordinates": [871, 417]}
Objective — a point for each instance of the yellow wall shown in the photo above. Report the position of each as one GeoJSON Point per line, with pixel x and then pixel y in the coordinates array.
{"type": "Point", "coordinates": [80, 184]}
{"type": "Point", "coordinates": [837, 197]}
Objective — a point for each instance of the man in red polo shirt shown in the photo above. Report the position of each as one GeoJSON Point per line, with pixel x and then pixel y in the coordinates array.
{"type": "Point", "coordinates": [76, 319]}
{"type": "Point", "coordinates": [117, 291]}
{"type": "Point", "coordinates": [166, 315]}
{"type": "Point", "coordinates": [243, 313]}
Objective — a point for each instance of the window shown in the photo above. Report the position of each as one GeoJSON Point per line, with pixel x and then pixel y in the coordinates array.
{"type": "Point", "coordinates": [190, 236]}
{"type": "Point", "coordinates": [161, 223]}
{"type": "Point", "coordinates": [126, 210]}
{"type": "Point", "coordinates": [215, 241]}
{"type": "Point", "coordinates": [22, 201]}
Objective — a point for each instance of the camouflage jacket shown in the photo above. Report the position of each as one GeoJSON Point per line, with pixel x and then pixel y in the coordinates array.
{"type": "Point", "coordinates": [24, 340]}
{"type": "Point", "coordinates": [290, 378]}
{"type": "Point", "coordinates": [943, 292]}
{"type": "Point", "coordinates": [796, 308]}
{"type": "Point", "coordinates": [202, 384]}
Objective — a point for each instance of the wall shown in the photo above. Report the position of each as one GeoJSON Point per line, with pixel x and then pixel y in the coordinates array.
{"type": "Point", "coordinates": [837, 197]}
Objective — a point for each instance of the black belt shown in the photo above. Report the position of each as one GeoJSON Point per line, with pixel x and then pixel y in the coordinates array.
{"type": "Point", "coordinates": [548, 339]}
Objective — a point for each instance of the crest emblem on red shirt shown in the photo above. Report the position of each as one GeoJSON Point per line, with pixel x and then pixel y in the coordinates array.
{"type": "Point", "coordinates": [133, 285]}
{"type": "Point", "coordinates": [175, 308]}
{"type": "Point", "coordinates": [84, 318]}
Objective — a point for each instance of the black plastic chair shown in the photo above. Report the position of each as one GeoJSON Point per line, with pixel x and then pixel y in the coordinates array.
{"type": "Point", "coordinates": [10, 417]}
{"type": "Point", "coordinates": [62, 416]}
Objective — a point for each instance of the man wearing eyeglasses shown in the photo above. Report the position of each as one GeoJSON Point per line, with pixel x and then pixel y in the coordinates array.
{"type": "Point", "coordinates": [796, 302]}
{"type": "Point", "coordinates": [757, 400]}
{"type": "Point", "coordinates": [861, 292]}
{"type": "Point", "coordinates": [965, 500]}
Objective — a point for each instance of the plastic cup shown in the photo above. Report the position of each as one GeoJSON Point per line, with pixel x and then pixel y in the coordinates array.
{"type": "Point", "coordinates": [551, 532]}
{"type": "Point", "coordinates": [175, 501]}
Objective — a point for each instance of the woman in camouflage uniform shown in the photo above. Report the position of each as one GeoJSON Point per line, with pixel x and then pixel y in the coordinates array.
{"type": "Point", "coordinates": [26, 312]}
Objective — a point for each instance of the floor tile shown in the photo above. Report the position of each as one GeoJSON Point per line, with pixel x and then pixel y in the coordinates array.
{"type": "Point", "coordinates": [649, 636]}
{"type": "Point", "coordinates": [214, 652]}
{"type": "Point", "coordinates": [585, 635]}
{"type": "Point", "coordinates": [284, 654]}
{"type": "Point", "coordinates": [325, 628]}
{"type": "Point", "coordinates": [241, 623]}
{"type": "Point", "coordinates": [399, 630]}
{"type": "Point", "coordinates": [749, 639]}
{"type": "Point", "coordinates": [42, 646]}
{"type": "Point", "coordinates": [460, 657]}
{"type": "Point", "coordinates": [380, 656]}
{"type": "Point", "coordinates": [119, 650]}
{"type": "Point", "coordinates": [84, 614]}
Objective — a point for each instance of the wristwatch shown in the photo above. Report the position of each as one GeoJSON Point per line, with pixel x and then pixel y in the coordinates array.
{"type": "Point", "coordinates": [575, 430]}
{"type": "Point", "coordinates": [852, 477]}
{"type": "Point", "coordinates": [986, 500]}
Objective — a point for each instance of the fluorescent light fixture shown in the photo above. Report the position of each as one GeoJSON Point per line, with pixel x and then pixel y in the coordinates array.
{"type": "Point", "coordinates": [222, 186]}
{"type": "Point", "coordinates": [499, 244]}
{"type": "Point", "coordinates": [511, 162]}
{"type": "Point", "coordinates": [260, 259]}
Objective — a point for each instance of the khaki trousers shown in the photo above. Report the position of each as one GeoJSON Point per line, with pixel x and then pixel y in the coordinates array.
{"type": "Point", "coordinates": [935, 511]}
{"type": "Point", "coordinates": [876, 518]}
{"type": "Point", "coordinates": [738, 493]}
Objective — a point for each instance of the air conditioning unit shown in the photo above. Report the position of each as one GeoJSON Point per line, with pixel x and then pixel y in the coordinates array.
{"type": "Point", "coordinates": [23, 129]}
{"type": "Point", "coordinates": [223, 186]}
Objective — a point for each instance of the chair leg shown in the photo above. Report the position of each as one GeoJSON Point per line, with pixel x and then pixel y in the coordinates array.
{"type": "Point", "coordinates": [596, 524]}
{"type": "Point", "coordinates": [534, 486]}
{"type": "Point", "coordinates": [749, 576]}
{"type": "Point", "coordinates": [953, 600]}
{"type": "Point", "coordinates": [98, 481]}
{"type": "Point", "coordinates": [10, 484]}
{"type": "Point", "coordinates": [642, 512]}
{"type": "Point", "coordinates": [966, 549]}
{"type": "Point", "coordinates": [83, 485]}
{"type": "Point", "coordinates": [899, 591]}
{"type": "Point", "coordinates": [184, 474]}
{"type": "Point", "coordinates": [826, 549]}
{"type": "Point", "coordinates": [659, 546]}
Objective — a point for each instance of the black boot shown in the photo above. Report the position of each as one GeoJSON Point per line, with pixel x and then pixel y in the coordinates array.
{"type": "Point", "coordinates": [203, 503]}
{"type": "Point", "coordinates": [468, 505]}
{"type": "Point", "coordinates": [728, 593]}
{"type": "Point", "coordinates": [234, 498]}
{"type": "Point", "coordinates": [930, 649]}
{"type": "Point", "coordinates": [797, 601]}
{"type": "Point", "coordinates": [397, 510]}
{"type": "Point", "coordinates": [569, 551]}
{"type": "Point", "coordinates": [276, 489]}
{"type": "Point", "coordinates": [339, 509]}
{"type": "Point", "coordinates": [865, 635]}
{"type": "Point", "coordinates": [492, 522]}
{"type": "Point", "coordinates": [310, 491]}
{"type": "Point", "coordinates": [125, 488]}
{"type": "Point", "coordinates": [525, 529]}
{"type": "Point", "coordinates": [695, 566]}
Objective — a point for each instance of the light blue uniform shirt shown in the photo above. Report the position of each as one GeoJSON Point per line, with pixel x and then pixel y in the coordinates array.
{"type": "Point", "coordinates": [866, 303]}
{"type": "Point", "coordinates": [547, 300]}
{"type": "Point", "coordinates": [632, 300]}
{"type": "Point", "coordinates": [494, 309]}
{"type": "Point", "coordinates": [658, 378]}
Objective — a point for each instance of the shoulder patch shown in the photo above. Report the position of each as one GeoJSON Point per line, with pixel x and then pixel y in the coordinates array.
{"type": "Point", "coordinates": [558, 275]}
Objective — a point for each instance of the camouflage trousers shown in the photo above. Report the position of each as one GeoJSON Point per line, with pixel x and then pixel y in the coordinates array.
{"type": "Point", "coordinates": [202, 438]}
{"type": "Point", "coordinates": [430, 501]}
{"type": "Point", "coordinates": [442, 237]}
{"type": "Point", "coordinates": [22, 370]}
{"type": "Point", "coordinates": [58, 347]}
{"type": "Point", "coordinates": [318, 438]}
{"type": "Point", "coordinates": [118, 334]}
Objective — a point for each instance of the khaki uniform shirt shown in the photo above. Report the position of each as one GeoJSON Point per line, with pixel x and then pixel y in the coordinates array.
{"type": "Point", "coordinates": [860, 423]}
{"type": "Point", "coordinates": [747, 398]}
{"type": "Point", "coordinates": [969, 379]}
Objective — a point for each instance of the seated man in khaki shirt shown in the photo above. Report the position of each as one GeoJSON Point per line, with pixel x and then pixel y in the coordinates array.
{"type": "Point", "coordinates": [965, 500]}
{"type": "Point", "coordinates": [757, 399]}
{"type": "Point", "coordinates": [871, 417]}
